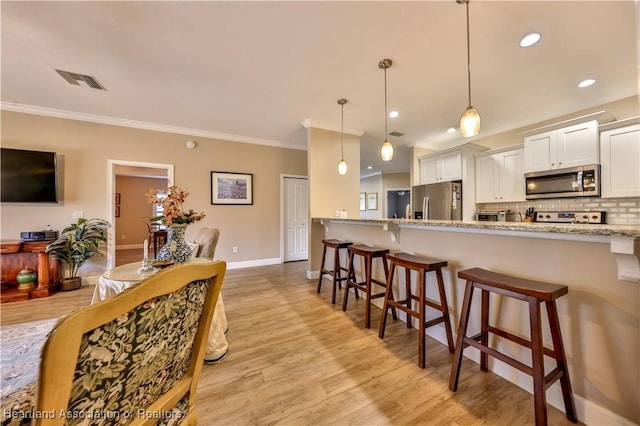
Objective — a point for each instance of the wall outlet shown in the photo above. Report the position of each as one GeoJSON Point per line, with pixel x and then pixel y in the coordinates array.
{"type": "Point", "coordinates": [78, 214]}
{"type": "Point", "coordinates": [235, 249]}
{"type": "Point", "coordinates": [122, 237]}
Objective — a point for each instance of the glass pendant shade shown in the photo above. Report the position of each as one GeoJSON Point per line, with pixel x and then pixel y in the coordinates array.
{"type": "Point", "coordinates": [386, 151]}
{"type": "Point", "coordinates": [470, 122]}
{"type": "Point", "coordinates": [342, 167]}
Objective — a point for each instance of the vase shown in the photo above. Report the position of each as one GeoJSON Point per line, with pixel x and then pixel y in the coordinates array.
{"type": "Point", "coordinates": [176, 248]}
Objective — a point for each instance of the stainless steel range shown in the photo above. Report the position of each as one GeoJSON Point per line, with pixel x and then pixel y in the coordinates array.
{"type": "Point", "coordinates": [572, 217]}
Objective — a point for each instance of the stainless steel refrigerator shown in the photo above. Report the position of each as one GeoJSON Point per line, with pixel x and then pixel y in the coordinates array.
{"type": "Point", "coordinates": [437, 201]}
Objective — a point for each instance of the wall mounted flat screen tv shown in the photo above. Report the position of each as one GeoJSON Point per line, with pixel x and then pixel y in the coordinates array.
{"type": "Point", "coordinates": [28, 176]}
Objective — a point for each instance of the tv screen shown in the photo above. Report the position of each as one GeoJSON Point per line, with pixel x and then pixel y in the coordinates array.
{"type": "Point", "coordinates": [28, 176]}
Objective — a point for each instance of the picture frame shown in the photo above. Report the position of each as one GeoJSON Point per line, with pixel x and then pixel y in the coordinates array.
{"type": "Point", "coordinates": [117, 198]}
{"type": "Point", "coordinates": [372, 201]}
{"type": "Point", "coordinates": [230, 188]}
{"type": "Point", "coordinates": [363, 201]}
{"type": "Point", "coordinates": [117, 211]}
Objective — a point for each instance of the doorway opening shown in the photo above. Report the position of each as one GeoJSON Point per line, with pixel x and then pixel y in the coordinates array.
{"type": "Point", "coordinates": [124, 211]}
{"type": "Point", "coordinates": [398, 203]}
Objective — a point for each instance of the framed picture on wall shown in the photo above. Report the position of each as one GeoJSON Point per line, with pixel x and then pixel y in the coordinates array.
{"type": "Point", "coordinates": [231, 188]}
{"type": "Point", "coordinates": [117, 198]}
{"type": "Point", "coordinates": [363, 201]}
{"type": "Point", "coordinates": [372, 201]}
{"type": "Point", "coordinates": [117, 211]}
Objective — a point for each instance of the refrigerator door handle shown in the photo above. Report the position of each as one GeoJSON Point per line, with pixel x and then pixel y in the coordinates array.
{"type": "Point", "coordinates": [425, 208]}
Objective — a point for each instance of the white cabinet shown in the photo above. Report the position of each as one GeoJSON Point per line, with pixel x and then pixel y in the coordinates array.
{"type": "Point", "coordinates": [570, 146]}
{"type": "Point", "coordinates": [620, 157]}
{"type": "Point", "coordinates": [500, 177]}
{"type": "Point", "coordinates": [441, 168]}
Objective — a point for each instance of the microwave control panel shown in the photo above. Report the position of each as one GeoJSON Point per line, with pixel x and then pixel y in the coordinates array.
{"type": "Point", "coordinates": [572, 217]}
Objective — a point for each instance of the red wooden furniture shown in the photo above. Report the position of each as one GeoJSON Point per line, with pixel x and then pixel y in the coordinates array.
{"type": "Point", "coordinates": [367, 254]}
{"type": "Point", "coordinates": [533, 293]}
{"type": "Point", "coordinates": [17, 255]}
{"type": "Point", "coordinates": [338, 272]}
{"type": "Point", "coordinates": [422, 265]}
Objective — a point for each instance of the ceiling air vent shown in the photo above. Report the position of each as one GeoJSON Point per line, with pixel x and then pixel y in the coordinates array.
{"type": "Point", "coordinates": [396, 134]}
{"type": "Point", "coordinates": [75, 78]}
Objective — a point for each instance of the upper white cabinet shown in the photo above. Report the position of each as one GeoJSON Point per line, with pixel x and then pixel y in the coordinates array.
{"type": "Point", "coordinates": [500, 177]}
{"type": "Point", "coordinates": [571, 146]}
{"type": "Point", "coordinates": [441, 168]}
{"type": "Point", "coordinates": [620, 162]}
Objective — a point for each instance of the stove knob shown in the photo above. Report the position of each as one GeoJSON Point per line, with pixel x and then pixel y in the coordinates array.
{"type": "Point", "coordinates": [595, 217]}
{"type": "Point", "coordinates": [548, 217]}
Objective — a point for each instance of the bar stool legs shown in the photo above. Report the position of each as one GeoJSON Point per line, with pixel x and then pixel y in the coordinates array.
{"type": "Point", "coordinates": [367, 254]}
{"type": "Point", "coordinates": [533, 293]}
{"type": "Point", "coordinates": [421, 265]}
{"type": "Point", "coordinates": [337, 273]}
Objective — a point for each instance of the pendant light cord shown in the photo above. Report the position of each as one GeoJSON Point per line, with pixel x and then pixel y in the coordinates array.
{"type": "Point", "coordinates": [468, 55]}
{"type": "Point", "coordinates": [342, 126]}
{"type": "Point", "coordinates": [386, 132]}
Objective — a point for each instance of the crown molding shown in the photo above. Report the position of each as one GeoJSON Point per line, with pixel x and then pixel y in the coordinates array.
{"type": "Point", "coordinates": [317, 124]}
{"type": "Point", "coordinates": [92, 118]}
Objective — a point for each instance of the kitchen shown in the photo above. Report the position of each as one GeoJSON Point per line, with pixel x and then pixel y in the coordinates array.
{"type": "Point", "coordinates": [585, 235]}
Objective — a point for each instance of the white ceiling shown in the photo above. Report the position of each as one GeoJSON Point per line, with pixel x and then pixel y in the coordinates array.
{"type": "Point", "coordinates": [254, 71]}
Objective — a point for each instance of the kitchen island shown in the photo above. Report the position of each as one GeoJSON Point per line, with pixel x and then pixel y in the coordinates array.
{"type": "Point", "coordinates": [599, 318]}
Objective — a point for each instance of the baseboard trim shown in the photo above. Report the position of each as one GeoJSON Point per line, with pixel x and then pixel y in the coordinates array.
{"type": "Point", "coordinates": [252, 263]}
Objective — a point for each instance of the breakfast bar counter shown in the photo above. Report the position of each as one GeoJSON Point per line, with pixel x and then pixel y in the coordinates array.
{"type": "Point", "coordinates": [599, 317]}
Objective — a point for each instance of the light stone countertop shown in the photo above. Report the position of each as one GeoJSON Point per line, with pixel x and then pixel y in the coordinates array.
{"type": "Point", "coordinates": [556, 228]}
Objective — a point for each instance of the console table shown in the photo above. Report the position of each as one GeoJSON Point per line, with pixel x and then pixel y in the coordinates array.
{"type": "Point", "coordinates": [15, 256]}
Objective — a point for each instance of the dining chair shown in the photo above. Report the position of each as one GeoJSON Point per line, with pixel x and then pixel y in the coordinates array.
{"type": "Point", "coordinates": [158, 236]}
{"type": "Point", "coordinates": [135, 357]}
{"type": "Point", "coordinates": [207, 240]}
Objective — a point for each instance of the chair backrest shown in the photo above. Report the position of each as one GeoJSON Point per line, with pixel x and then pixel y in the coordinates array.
{"type": "Point", "coordinates": [138, 354]}
{"type": "Point", "coordinates": [207, 239]}
{"type": "Point", "coordinates": [154, 226]}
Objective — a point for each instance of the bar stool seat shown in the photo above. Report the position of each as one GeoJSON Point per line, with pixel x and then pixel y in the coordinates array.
{"type": "Point", "coordinates": [422, 265]}
{"type": "Point", "coordinates": [367, 254]}
{"type": "Point", "coordinates": [338, 273]}
{"type": "Point", "coordinates": [534, 293]}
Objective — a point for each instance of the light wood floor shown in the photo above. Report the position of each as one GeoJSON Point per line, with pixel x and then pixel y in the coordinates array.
{"type": "Point", "coordinates": [295, 359]}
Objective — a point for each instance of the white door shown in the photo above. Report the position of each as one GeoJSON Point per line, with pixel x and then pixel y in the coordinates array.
{"type": "Point", "coordinates": [296, 219]}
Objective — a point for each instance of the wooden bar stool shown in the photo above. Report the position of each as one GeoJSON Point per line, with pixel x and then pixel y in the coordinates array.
{"type": "Point", "coordinates": [367, 254]}
{"type": "Point", "coordinates": [337, 273]}
{"type": "Point", "coordinates": [421, 265]}
{"type": "Point", "coordinates": [534, 293]}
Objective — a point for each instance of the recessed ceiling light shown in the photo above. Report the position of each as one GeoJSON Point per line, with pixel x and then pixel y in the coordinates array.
{"type": "Point", "coordinates": [451, 130]}
{"type": "Point", "coordinates": [394, 114]}
{"type": "Point", "coordinates": [586, 83]}
{"type": "Point", "coordinates": [530, 39]}
{"type": "Point", "coordinates": [369, 167]}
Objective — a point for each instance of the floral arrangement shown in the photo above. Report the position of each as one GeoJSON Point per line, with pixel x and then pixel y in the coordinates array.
{"type": "Point", "coordinates": [171, 200]}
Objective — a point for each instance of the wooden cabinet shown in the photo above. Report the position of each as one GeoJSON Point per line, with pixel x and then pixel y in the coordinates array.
{"type": "Point", "coordinates": [500, 177]}
{"type": "Point", "coordinates": [620, 162]}
{"type": "Point", "coordinates": [441, 168]}
{"type": "Point", "coordinates": [18, 255]}
{"type": "Point", "coordinates": [571, 146]}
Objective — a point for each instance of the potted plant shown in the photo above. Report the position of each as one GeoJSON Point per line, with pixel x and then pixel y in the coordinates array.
{"type": "Point", "coordinates": [75, 245]}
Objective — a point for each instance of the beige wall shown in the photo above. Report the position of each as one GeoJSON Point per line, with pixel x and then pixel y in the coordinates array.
{"type": "Point", "coordinates": [83, 150]}
{"type": "Point", "coordinates": [131, 227]}
{"type": "Point", "coordinates": [328, 191]}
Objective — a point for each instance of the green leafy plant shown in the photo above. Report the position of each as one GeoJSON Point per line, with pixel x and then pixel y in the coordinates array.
{"type": "Point", "coordinates": [79, 242]}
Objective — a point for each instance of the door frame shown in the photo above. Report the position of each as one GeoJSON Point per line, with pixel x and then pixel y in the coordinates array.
{"type": "Point", "coordinates": [282, 224]}
{"type": "Point", "coordinates": [111, 202]}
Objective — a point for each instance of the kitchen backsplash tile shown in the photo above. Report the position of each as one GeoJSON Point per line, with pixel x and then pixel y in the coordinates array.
{"type": "Point", "coordinates": [620, 211]}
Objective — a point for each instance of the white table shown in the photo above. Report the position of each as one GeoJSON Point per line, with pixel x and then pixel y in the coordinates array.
{"type": "Point", "coordinates": [120, 278]}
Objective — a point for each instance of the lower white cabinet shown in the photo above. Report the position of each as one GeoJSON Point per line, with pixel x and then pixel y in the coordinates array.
{"type": "Point", "coordinates": [620, 162]}
{"type": "Point", "coordinates": [500, 177]}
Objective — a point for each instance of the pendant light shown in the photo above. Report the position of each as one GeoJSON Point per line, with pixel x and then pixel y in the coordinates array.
{"type": "Point", "coordinates": [342, 165]}
{"type": "Point", "coordinates": [386, 151]}
{"type": "Point", "coordinates": [470, 118]}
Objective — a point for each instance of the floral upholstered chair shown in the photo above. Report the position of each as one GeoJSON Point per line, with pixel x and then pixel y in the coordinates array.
{"type": "Point", "coordinates": [132, 359]}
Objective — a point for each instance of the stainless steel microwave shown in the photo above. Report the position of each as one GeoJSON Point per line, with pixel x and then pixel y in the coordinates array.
{"type": "Point", "coordinates": [583, 181]}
